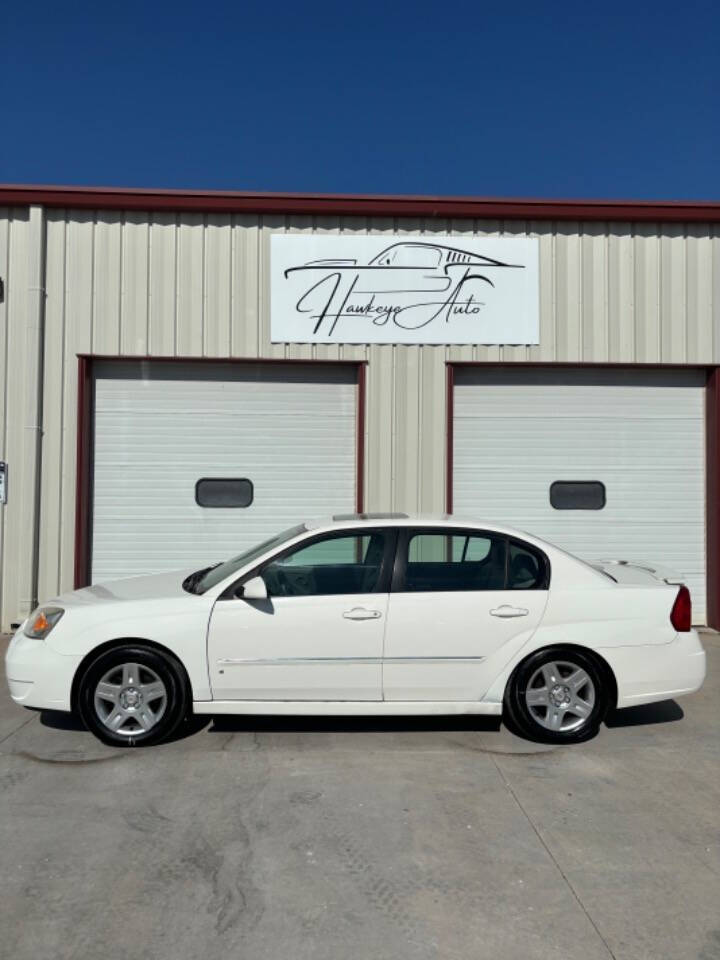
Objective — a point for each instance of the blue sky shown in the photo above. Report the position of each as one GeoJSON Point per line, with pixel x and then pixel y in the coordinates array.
{"type": "Point", "coordinates": [527, 99]}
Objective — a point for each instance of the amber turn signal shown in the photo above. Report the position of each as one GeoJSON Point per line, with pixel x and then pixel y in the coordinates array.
{"type": "Point", "coordinates": [41, 622]}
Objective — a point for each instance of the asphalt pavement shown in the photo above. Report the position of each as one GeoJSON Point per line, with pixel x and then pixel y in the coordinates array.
{"type": "Point", "coordinates": [261, 839]}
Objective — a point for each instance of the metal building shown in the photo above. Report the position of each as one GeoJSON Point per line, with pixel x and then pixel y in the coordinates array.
{"type": "Point", "coordinates": [177, 382]}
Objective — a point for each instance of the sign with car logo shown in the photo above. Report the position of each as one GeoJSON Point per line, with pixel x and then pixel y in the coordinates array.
{"type": "Point", "coordinates": [382, 289]}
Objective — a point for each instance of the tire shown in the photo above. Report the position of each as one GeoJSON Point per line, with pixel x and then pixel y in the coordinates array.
{"type": "Point", "coordinates": [557, 695]}
{"type": "Point", "coordinates": [133, 696]}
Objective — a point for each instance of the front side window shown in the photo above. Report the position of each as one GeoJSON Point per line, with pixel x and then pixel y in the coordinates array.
{"type": "Point", "coordinates": [340, 564]}
{"type": "Point", "coordinates": [438, 561]}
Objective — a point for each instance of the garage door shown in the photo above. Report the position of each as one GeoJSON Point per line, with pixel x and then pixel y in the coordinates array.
{"type": "Point", "coordinates": [281, 438]}
{"type": "Point", "coordinates": [637, 439]}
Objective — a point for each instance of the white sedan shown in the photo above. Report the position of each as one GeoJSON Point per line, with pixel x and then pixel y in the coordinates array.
{"type": "Point", "coordinates": [367, 615]}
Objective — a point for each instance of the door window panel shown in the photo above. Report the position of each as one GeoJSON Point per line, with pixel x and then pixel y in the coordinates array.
{"type": "Point", "coordinates": [446, 562]}
{"type": "Point", "coordinates": [332, 565]}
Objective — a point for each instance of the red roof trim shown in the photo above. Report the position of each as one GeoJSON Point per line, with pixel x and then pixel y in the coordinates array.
{"type": "Point", "coordinates": [287, 204]}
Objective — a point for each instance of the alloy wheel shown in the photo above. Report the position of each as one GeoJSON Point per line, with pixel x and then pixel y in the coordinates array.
{"type": "Point", "coordinates": [560, 696]}
{"type": "Point", "coordinates": [130, 699]}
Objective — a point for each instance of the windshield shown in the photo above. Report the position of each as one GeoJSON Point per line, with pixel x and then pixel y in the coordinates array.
{"type": "Point", "coordinates": [203, 580]}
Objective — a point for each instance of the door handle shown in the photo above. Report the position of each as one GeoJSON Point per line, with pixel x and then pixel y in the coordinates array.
{"type": "Point", "coordinates": [506, 611]}
{"type": "Point", "coordinates": [360, 613]}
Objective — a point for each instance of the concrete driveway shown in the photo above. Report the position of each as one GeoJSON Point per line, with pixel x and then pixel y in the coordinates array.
{"type": "Point", "coordinates": [269, 839]}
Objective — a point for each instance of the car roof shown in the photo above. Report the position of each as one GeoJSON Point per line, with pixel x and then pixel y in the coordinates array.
{"type": "Point", "coordinates": [409, 520]}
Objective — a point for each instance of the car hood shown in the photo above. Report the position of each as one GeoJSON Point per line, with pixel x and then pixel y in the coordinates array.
{"type": "Point", "coordinates": [154, 587]}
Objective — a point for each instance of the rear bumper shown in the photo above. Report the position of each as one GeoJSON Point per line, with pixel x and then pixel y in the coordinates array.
{"type": "Point", "coordinates": [646, 674]}
{"type": "Point", "coordinates": [37, 675]}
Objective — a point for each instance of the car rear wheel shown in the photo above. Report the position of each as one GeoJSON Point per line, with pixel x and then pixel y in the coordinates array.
{"type": "Point", "coordinates": [557, 695]}
{"type": "Point", "coordinates": [133, 696]}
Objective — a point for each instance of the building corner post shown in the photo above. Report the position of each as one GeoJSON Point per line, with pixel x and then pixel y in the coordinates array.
{"type": "Point", "coordinates": [31, 465]}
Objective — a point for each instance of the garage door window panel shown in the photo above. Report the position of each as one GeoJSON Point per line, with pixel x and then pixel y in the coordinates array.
{"type": "Point", "coordinates": [330, 566]}
{"type": "Point", "coordinates": [577, 495]}
{"type": "Point", "coordinates": [224, 492]}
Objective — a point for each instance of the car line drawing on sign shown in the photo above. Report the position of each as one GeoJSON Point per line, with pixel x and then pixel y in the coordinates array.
{"type": "Point", "coordinates": [419, 283]}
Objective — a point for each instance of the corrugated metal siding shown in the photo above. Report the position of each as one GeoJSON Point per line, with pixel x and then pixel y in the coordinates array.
{"type": "Point", "coordinates": [194, 285]}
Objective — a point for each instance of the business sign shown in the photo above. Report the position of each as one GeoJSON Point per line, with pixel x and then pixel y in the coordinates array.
{"type": "Point", "coordinates": [382, 289]}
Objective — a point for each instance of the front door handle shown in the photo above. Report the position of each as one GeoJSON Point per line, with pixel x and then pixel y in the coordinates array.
{"type": "Point", "coordinates": [506, 611]}
{"type": "Point", "coordinates": [360, 613]}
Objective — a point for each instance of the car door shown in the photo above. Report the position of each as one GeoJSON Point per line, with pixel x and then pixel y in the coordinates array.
{"type": "Point", "coordinates": [458, 597]}
{"type": "Point", "coordinates": [319, 634]}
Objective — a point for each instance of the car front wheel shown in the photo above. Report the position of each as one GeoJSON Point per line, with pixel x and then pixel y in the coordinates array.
{"type": "Point", "coordinates": [557, 695]}
{"type": "Point", "coordinates": [133, 696]}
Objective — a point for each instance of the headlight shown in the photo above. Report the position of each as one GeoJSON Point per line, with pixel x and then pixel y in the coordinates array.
{"type": "Point", "coordinates": [40, 623]}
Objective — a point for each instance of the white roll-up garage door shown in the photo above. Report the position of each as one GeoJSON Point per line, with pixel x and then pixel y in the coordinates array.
{"type": "Point", "coordinates": [162, 427]}
{"type": "Point", "coordinates": [640, 433]}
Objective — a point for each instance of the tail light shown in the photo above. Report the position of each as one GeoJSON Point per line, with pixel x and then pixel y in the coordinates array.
{"type": "Point", "coordinates": [681, 613]}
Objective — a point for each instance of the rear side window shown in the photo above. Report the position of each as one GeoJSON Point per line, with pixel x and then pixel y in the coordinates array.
{"type": "Point", "coordinates": [472, 561]}
{"type": "Point", "coordinates": [439, 561]}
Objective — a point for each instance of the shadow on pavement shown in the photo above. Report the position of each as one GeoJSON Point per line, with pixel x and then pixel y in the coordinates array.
{"type": "Point", "coordinates": [58, 720]}
{"type": "Point", "coordinates": [666, 711]}
{"type": "Point", "coordinates": [294, 724]}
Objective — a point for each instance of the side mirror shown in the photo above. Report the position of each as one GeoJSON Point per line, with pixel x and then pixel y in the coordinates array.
{"type": "Point", "coordinates": [254, 589]}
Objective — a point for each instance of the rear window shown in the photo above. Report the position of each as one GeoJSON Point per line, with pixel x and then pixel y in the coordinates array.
{"type": "Point", "coordinates": [526, 568]}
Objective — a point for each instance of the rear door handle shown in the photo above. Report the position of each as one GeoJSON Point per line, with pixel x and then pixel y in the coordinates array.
{"type": "Point", "coordinates": [360, 613]}
{"type": "Point", "coordinates": [506, 611]}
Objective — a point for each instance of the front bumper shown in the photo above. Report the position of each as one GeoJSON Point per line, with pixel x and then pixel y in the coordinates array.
{"type": "Point", "coordinates": [646, 674]}
{"type": "Point", "coordinates": [37, 675]}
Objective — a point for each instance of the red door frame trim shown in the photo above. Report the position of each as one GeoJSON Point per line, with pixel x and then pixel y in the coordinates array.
{"type": "Point", "coordinates": [450, 437]}
{"type": "Point", "coordinates": [712, 495]}
{"type": "Point", "coordinates": [85, 417]}
{"type": "Point", "coordinates": [712, 451]}
{"type": "Point", "coordinates": [360, 440]}
{"type": "Point", "coordinates": [83, 473]}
